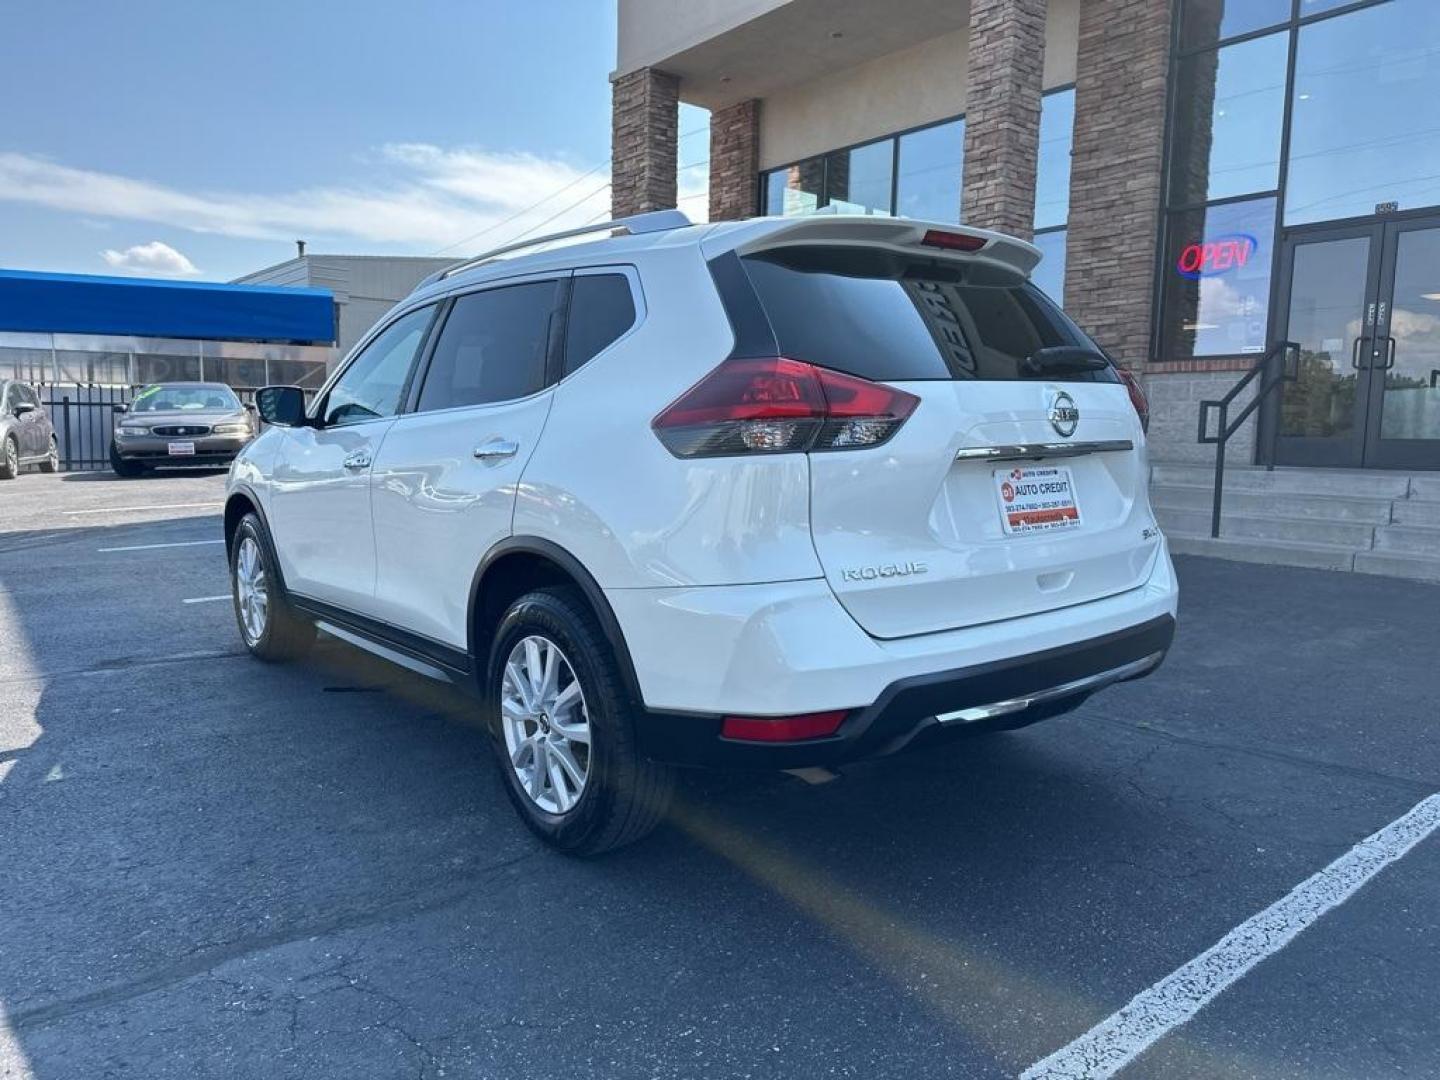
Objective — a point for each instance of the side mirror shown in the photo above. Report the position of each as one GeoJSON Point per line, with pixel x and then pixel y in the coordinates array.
{"type": "Point", "coordinates": [122, 409]}
{"type": "Point", "coordinates": [283, 406]}
{"type": "Point", "coordinates": [23, 407]}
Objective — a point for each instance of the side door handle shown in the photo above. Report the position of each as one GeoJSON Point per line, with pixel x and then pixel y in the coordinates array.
{"type": "Point", "coordinates": [357, 459]}
{"type": "Point", "coordinates": [497, 448]}
{"type": "Point", "coordinates": [1360, 343]}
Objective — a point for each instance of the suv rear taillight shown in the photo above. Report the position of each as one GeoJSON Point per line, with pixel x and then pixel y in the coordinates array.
{"type": "Point", "coordinates": [1137, 396]}
{"type": "Point", "coordinates": [775, 405]}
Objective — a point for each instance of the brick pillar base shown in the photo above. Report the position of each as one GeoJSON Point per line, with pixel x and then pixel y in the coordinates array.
{"type": "Point", "coordinates": [1002, 114]}
{"type": "Point", "coordinates": [1115, 171]}
{"type": "Point", "coordinates": [735, 161]}
{"type": "Point", "coordinates": [643, 136]}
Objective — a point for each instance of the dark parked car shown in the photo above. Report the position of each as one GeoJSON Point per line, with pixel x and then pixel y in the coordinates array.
{"type": "Point", "coordinates": [180, 424]}
{"type": "Point", "coordinates": [26, 435]}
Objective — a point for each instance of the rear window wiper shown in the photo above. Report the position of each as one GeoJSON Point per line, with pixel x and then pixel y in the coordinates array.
{"type": "Point", "coordinates": [1060, 359]}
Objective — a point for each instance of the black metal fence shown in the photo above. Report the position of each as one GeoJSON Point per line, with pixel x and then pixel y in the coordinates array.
{"type": "Point", "coordinates": [84, 419]}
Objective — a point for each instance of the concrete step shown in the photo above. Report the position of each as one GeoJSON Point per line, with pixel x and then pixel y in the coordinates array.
{"type": "Point", "coordinates": [1190, 522]}
{"type": "Point", "coordinates": [1408, 539]}
{"type": "Point", "coordinates": [1357, 483]}
{"type": "Point", "coordinates": [1274, 552]}
{"type": "Point", "coordinates": [1425, 488]}
{"type": "Point", "coordinates": [1394, 565]}
{"type": "Point", "coordinates": [1283, 504]}
{"type": "Point", "coordinates": [1416, 512]}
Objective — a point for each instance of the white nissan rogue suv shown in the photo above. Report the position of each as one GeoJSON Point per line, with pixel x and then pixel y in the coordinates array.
{"type": "Point", "coordinates": [762, 494]}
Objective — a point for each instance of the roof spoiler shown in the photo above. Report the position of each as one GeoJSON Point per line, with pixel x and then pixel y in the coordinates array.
{"type": "Point", "coordinates": [634, 225]}
{"type": "Point", "coordinates": [1009, 256]}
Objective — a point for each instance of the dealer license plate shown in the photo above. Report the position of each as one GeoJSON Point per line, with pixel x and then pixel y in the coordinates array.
{"type": "Point", "coordinates": [181, 449]}
{"type": "Point", "coordinates": [1038, 499]}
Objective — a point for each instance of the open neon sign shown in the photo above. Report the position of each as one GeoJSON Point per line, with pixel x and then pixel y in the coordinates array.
{"type": "Point", "coordinates": [1216, 255]}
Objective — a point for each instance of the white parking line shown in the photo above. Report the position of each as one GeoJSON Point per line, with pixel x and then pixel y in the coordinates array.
{"type": "Point", "coordinates": [1119, 1039]}
{"type": "Point", "coordinates": [206, 599]}
{"type": "Point", "coordinates": [150, 547]}
{"type": "Point", "coordinates": [139, 509]}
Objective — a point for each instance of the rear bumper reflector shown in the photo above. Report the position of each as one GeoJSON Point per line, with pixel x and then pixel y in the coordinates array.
{"type": "Point", "coordinates": [1039, 451]}
{"type": "Point", "coordinates": [782, 728]}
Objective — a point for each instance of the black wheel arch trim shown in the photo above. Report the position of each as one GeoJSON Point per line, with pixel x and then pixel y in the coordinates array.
{"type": "Point", "coordinates": [267, 537]}
{"type": "Point", "coordinates": [575, 569]}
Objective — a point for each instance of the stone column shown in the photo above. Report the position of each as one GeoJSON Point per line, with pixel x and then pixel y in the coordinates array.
{"type": "Point", "coordinates": [643, 134]}
{"type": "Point", "coordinates": [1116, 172]}
{"type": "Point", "coordinates": [735, 161]}
{"type": "Point", "coordinates": [1002, 114]}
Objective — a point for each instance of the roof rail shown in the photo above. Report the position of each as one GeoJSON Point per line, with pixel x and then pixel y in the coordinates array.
{"type": "Point", "coordinates": [634, 225]}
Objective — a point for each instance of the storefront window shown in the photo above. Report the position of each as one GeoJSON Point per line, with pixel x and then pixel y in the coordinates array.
{"type": "Point", "coordinates": [795, 189]}
{"type": "Point", "coordinates": [1204, 22]}
{"type": "Point", "coordinates": [1217, 279]}
{"type": "Point", "coordinates": [1229, 110]}
{"type": "Point", "coordinates": [859, 181]}
{"type": "Point", "coordinates": [1052, 173]}
{"type": "Point", "coordinates": [1362, 128]}
{"type": "Point", "coordinates": [931, 172]}
{"type": "Point", "coordinates": [1050, 274]}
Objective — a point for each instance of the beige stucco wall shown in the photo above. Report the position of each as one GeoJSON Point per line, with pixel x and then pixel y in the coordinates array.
{"type": "Point", "coordinates": [904, 89]}
{"type": "Point", "coordinates": [650, 30]}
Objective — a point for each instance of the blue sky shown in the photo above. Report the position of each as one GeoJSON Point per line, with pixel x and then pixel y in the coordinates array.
{"type": "Point", "coordinates": [199, 139]}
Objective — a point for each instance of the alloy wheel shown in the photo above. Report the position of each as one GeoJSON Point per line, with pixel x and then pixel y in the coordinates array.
{"type": "Point", "coordinates": [12, 457]}
{"type": "Point", "coordinates": [546, 724]}
{"type": "Point", "coordinates": [252, 590]}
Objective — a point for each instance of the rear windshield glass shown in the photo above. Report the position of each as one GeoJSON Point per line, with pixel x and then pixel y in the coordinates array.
{"type": "Point", "coordinates": [893, 318]}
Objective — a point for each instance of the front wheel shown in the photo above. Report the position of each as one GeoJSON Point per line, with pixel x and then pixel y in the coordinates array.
{"type": "Point", "coordinates": [51, 464]}
{"type": "Point", "coordinates": [269, 626]}
{"type": "Point", "coordinates": [563, 729]}
{"type": "Point", "coordinates": [9, 458]}
{"type": "Point", "coordinates": [126, 470]}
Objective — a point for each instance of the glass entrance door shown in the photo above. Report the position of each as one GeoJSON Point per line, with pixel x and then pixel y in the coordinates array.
{"type": "Point", "coordinates": [1363, 303]}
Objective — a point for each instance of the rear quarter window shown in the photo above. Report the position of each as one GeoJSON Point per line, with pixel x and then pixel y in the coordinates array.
{"type": "Point", "coordinates": [895, 318]}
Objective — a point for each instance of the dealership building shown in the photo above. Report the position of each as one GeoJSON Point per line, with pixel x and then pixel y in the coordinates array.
{"type": "Point", "coordinates": [1204, 178]}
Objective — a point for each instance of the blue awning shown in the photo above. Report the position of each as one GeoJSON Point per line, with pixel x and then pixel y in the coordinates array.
{"type": "Point", "coordinates": [146, 307]}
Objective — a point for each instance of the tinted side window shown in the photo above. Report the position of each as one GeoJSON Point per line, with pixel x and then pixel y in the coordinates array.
{"type": "Point", "coordinates": [492, 347]}
{"type": "Point", "coordinates": [601, 309]}
{"type": "Point", "coordinates": [371, 385]}
{"type": "Point", "coordinates": [892, 318]}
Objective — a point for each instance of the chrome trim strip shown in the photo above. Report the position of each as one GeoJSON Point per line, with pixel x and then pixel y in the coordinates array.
{"type": "Point", "coordinates": [1038, 451]}
{"type": "Point", "coordinates": [1089, 682]}
{"type": "Point", "coordinates": [395, 656]}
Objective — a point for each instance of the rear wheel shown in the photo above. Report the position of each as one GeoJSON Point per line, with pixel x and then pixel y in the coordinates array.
{"type": "Point", "coordinates": [122, 468]}
{"type": "Point", "coordinates": [51, 464]}
{"type": "Point", "coordinates": [563, 729]}
{"type": "Point", "coordinates": [9, 458]}
{"type": "Point", "coordinates": [269, 626]}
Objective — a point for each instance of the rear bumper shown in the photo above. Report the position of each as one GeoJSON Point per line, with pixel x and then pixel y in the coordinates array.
{"type": "Point", "coordinates": [788, 648]}
{"type": "Point", "coordinates": [1005, 693]}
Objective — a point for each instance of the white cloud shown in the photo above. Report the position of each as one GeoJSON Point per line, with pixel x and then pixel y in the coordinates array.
{"type": "Point", "coordinates": [414, 195]}
{"type": "Point", "coordinates": [155, 258]}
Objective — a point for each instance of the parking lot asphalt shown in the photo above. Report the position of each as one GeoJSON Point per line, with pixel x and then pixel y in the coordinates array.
{"type": "Point", "coordinates": [211, 867]}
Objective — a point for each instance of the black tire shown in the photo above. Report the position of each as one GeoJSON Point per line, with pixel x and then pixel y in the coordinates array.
{"type": "Point", "coordinates": [625, 795]}
{"type": "Point", "coordinates": [9, 458]}
{"type": "Point", "coordinates": [51, 464]}
{"type": "Point", "coordinates": [126, 470]}
{"type": "Point", "coordinates": [285, 634]}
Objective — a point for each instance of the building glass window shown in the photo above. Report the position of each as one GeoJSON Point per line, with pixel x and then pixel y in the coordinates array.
{"type": "Point", "coordinates": [1217, 279]}
{"type": "Point", "coordinates": [859, 181]}
{"type": "Point", "coordinates": [931, 173]}
{"type": "Point", "coordinates": [1052, 172]}
{"type": "Point", "coordinates": [1049, 276]}
{"type": "Point", "coordinates": [1205, 22]}
{"type": "Point", "coordinates": [1359, 135]}
{"type": "Point", "coordinates": [1229, 110]}
{"type": "Point", "coordinates": [796, 189]}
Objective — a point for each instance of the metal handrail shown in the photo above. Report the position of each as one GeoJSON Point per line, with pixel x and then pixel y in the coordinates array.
{"type": "Point", "coordinates": [634, 225]}
{"type": "Point", "coordinates": [1227, 427]}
